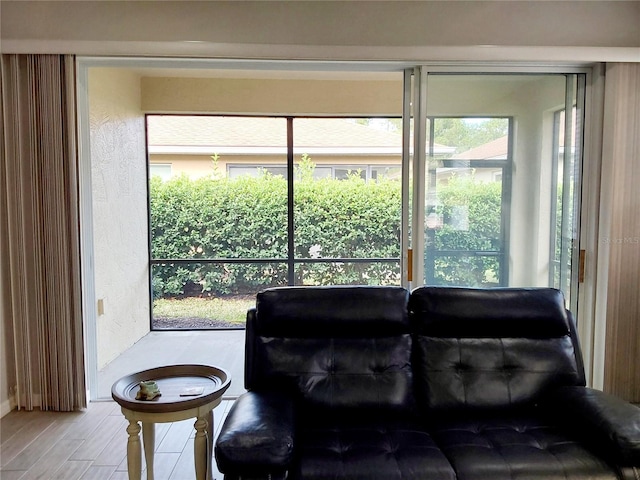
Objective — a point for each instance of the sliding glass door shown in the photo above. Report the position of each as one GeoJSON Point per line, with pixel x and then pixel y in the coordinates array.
{"type": "Point", "coordinates": [480, 181]}
{"type": "Point", "coordinates": [496, 180]}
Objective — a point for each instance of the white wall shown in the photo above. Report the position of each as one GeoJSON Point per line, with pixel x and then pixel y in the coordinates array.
{"type": "Point", "coordinates": [120, 229]}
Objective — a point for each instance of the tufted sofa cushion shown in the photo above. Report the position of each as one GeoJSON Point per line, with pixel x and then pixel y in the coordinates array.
{"type": "Point", "coordinates": [336, 348]}
{"type": "Point", "coordinates": [366, 449]}
{"type": "Point", "coordinates": [491, 348]}
{"type": "Point", "coordinates": [520, 447]}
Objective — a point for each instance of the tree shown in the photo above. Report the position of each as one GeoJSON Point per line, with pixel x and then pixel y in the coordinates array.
{"type": "Point", "coordinates": [465, 134]}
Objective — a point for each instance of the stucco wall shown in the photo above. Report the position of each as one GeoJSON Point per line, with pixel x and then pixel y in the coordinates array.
{"type": "Point", "coordinates": [281, 96]}
{"type": "Point", "coordinates": [119, 210]}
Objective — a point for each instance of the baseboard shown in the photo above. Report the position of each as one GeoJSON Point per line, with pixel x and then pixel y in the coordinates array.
{"type": "Point", "coordinates": [10, 404]}
{"type": "Point", "coordinates": [7, 406]}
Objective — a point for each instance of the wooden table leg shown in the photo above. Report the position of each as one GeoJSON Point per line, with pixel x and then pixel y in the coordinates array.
{"type": "Point", "coordinates": [200, 448]}
{"type": "Point", "coordinates": [149, 438]}
{"type": "Point", "coordinates": [134, 452]}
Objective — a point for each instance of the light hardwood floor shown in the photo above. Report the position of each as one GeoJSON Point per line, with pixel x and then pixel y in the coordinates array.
{"type": "Point", "coordinates": [92, 445]}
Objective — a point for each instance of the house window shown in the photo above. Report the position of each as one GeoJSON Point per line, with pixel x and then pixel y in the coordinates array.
{"type": "Point", "coordinates": [162, 170]}
{"type": "Point", "coordinates": [235, 171]}
{"type": "Point", "coordinates": [338, 172]}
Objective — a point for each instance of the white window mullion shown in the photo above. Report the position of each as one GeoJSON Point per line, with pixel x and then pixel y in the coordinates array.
{"type": "Point", "coordinates": [419, 172]}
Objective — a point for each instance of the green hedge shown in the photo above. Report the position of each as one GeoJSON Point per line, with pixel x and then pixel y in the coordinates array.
{"type": "Point", "coordinates": [247, 218]}
{"type": "Point", "coordinates": [471, 213]}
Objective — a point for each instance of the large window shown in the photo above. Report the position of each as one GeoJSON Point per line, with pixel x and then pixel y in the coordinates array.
{"type": "Point", "coordinates": [272, 201]}
{"type": "Point", "coordinates": [502, 208]}
{"type": "Point", "coordinates": [255, 202]}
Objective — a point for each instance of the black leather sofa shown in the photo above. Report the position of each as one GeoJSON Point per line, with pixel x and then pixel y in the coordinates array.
{"type": "Point", "coordinates": [440, 383]}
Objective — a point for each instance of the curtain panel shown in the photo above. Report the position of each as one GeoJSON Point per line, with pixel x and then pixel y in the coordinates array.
{"type": "Point", "coordinates": [621, 175]}
{"type": "Point", "coordinates": [40, 221]}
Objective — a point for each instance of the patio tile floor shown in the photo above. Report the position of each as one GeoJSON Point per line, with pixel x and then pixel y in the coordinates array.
{"type": "Point", "coordinates": [222, 348]}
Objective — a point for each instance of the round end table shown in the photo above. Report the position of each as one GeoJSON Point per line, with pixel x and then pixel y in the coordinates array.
{"type": "Point", "coordinates": [187, 391]}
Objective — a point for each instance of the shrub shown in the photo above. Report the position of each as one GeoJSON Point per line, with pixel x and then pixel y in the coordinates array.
{"type": "Point", "coordinates": [246, 218]}
{"type": "Point", "coordinates": [472, 221]}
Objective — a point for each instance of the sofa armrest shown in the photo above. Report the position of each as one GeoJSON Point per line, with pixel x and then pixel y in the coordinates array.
{"type": "Point", "coordinates": [601, 419]}
{"type": "Point", "coordinates": [257, 437]}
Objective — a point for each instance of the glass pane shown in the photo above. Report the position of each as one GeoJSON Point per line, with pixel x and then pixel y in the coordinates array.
{"type": "Point", "coordinates": [227, 201]}
{"type": "Point", "coordinates": [209, 295]}
{"type": "Point", "coordinates": [347, 197]}
{"type": "Point", "coordinates": [565, 153]}
{"type": "Point", "coordinates": [162, 170]}
{"type": "Point", "coordinates": [470, 138]}
{"type": "Point", "coordinates": [465, 243]}
{"type": "Point", "coordinates": [463, 227]}
{"type": "Point", "coordinates": [499, 195]}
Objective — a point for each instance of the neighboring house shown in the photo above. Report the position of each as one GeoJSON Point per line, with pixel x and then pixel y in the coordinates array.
{"type": "Point", "coordinates": [244, 145]}
{"type": "Point", "coordinates": [497, 149]}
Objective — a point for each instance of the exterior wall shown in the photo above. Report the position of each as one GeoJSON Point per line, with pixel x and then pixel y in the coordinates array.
{"type": "Point", "coordinates": [119, 210]}
{"type": "Point", "coordinates": [196, 166]}
{"type": "Point", "coordinates": [269, 96]}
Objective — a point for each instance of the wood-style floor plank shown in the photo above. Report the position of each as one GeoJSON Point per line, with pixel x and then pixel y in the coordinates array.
{"type": "Point", "coordinates": [92, 445]}
{"type": "Point", "coordinates": [115, 450]}
{"type": "Point", "coordinates": [11, 474]}
{"type": "Point", "coordinates": [99, 472]}
{"type": "Point", "coordinates": [35, 450]}
{"type": "Point", "coordinates": [177, 437]}
{"type": "Point", "coordinates": [51, 461]}
{"type": "Point", "coordinates": [72, 470]}
{"type": "Point", "coordinates": [23, 437]}
{"type": "Point", "coordinates": [184, 464]}
{"type": "Point", "coordinates": [10, 424]}
{"type": "Point", "coordinates": [119, 476]}
{"type": "Point", "coordinates": [96, 443]}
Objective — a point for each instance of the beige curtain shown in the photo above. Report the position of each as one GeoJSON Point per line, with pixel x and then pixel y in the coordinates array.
{"type": "Point", "coordinates": [621, 180]}
{"type": "Point", "coordinates": [41, 269]}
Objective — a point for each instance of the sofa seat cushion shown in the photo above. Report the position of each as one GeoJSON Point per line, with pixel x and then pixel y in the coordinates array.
{"type": "Point", "coordinates": [516, 448]}
{"type": "Point", "coordinates": [355, 451]}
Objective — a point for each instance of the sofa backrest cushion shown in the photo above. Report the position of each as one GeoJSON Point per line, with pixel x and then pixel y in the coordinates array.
{"type": "Point", "coordinates": [337, 347]}
{"type": "Point", "coordinates": [491, 348]}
